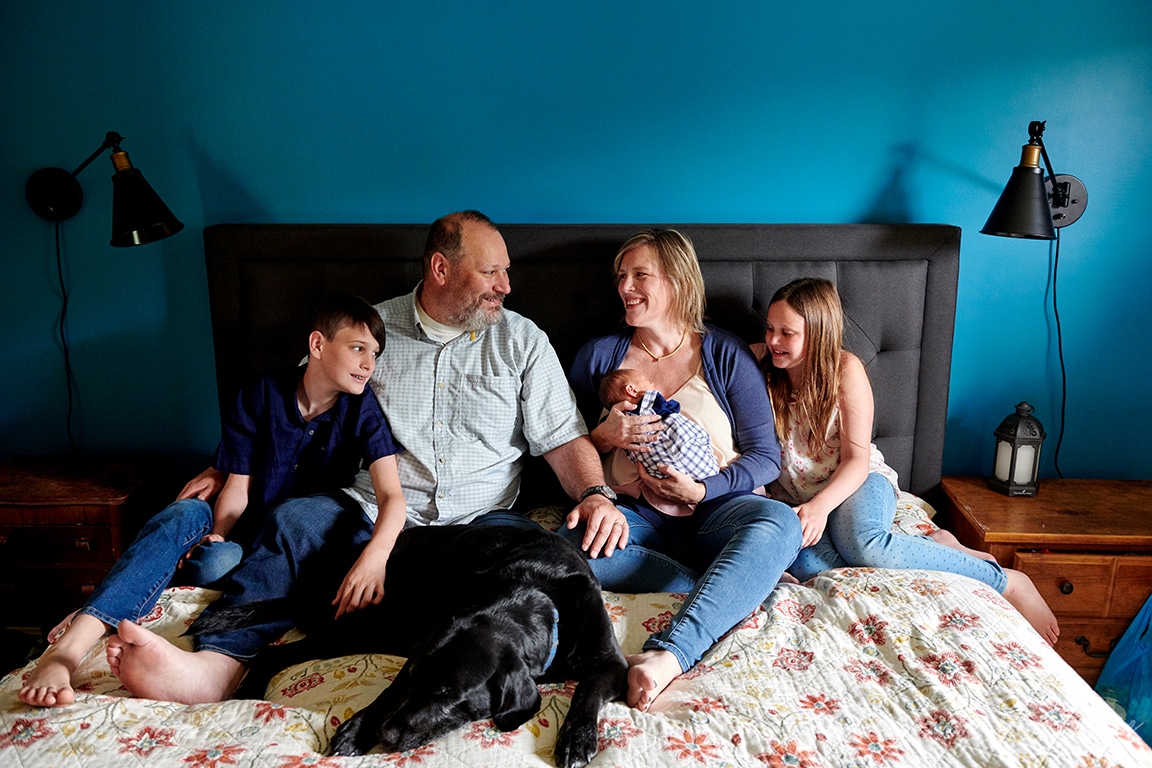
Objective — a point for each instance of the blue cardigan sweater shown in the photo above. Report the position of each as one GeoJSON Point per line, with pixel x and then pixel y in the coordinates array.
{"type": "Point", "coordinates": [735, 380]}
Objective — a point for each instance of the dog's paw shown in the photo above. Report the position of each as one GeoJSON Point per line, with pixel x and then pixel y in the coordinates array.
{"type": "Point", "coordinates": [575, 744]}
{"type": "Point", "coordinates": [347, 741]}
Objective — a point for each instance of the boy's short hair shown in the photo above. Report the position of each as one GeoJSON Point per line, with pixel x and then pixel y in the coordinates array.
{"type": "Point", "coordinates": [339, 310]}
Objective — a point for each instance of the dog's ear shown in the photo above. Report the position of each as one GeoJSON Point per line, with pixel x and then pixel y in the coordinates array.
{"type": "Point", "coordinates": [515, 699]}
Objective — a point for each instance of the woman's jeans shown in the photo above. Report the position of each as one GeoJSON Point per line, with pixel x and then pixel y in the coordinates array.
{"type": "Point", "coordinates": [859, 534]}
{"type": "Point", "coordinates": [304, 544]}
{"type": "Point", "coordinates": [144, 570]}
{"type": "Point", "coordinates": [728, 556]}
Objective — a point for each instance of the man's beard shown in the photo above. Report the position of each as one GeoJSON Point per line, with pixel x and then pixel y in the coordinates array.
{"type": "Point", "coordinates": [478, 316]}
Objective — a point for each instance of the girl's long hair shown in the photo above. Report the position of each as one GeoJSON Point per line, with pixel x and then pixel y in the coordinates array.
{"type": "Point", "coordinates": [815, 398]}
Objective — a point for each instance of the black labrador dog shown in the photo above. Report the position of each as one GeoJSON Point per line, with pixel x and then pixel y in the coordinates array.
{"type": "Point", "coordinates": [483, 614]}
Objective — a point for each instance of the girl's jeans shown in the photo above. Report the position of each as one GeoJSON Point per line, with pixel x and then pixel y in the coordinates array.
{"type": "Point", "coordinates": [859, 534]}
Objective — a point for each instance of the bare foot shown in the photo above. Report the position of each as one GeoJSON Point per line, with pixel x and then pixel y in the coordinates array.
{"type": "Point", "coordinates": [649, 673]}
{"type": "Point", "coordinates": [49, 684]}
{"type": "Point", "coordinates": [787, 578]}
{"type": "Point", "coordinates": [150, 667]}
{"type": "Point", "coordinates": [941, 536]}
{"type": "Point", "coordinates": [1024, 597]}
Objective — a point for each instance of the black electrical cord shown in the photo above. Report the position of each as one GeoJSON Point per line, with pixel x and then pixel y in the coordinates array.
{"type": "Point", "coordinates": [69, 379]}
{"type": "Point", "coordinates": [1060, 351]}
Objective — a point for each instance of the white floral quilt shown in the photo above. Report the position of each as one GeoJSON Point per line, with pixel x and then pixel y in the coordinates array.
{"type": "Point", "coordinates": [858, 667]}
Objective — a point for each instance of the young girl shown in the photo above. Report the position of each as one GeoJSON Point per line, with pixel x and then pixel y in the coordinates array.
{"type": "Point", "coordinates": [832, 475]}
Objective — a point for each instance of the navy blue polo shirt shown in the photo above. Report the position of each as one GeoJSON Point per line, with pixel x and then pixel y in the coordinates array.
{"type": "Point", "coordinates": [265, 437]}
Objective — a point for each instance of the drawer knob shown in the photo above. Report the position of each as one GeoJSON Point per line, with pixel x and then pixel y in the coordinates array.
{"type": "Point", "coordinates": [1084, 643]}
{"type": "Point", "coordinates": [1066, 588]}
{"type": "Point", "coordinates": [83, 543]}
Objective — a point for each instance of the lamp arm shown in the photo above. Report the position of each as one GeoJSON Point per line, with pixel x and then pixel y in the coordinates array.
{"type": "Point", "coordinates": [111, 141]}
{"type": "Point", "coordinates": [1060, 189]}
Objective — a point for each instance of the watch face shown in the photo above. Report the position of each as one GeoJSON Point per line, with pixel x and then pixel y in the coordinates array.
{"type": "Point", "coordinates": [603, 490]}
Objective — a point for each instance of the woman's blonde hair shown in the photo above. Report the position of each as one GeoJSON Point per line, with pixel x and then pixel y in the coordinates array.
{"type": "Point", "coordinates": [678, 262]}
{"type": "Point", "coordinates": [817, 301]}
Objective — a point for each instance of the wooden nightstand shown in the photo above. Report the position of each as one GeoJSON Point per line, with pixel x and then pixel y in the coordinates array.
{"type": "Point", "coordinates": [62, 526]}
{"type": "Point", "coordinates": [1086, 544]}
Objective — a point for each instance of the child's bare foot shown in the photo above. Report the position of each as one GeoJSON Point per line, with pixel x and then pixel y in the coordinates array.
{"type": "Point", "coordinates": [649, 673]}
{"type": "Point", "coordinates": [150, 667]}
{"type": "Point", "coordinates": [941, 536]}
{"type": "Point", "coordinates": [49, 684]}
{"type": "Point", "coordinates": [787, 578]}
{"type": "Point", "coordinates": [1024, 597]}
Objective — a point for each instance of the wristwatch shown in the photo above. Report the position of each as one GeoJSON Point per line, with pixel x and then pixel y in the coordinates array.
{"type": "Point", "coordinates": [603, 490]}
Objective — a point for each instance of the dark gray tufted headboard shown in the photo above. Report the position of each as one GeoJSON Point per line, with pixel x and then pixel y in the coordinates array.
{"type": "Point", "coordinates": [897, 282]}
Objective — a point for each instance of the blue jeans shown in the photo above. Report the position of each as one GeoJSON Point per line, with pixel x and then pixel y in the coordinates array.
{"type": "Point", "coordinates": [312, 541]}
{"type": "Point", "coordinates": [859, 534]}
{"type": "Point", "coordinates": [728, 556]}
{"type": "Point", "coordinates": [144, 570]}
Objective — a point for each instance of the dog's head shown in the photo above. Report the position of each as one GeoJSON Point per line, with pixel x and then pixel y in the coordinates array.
{"type": "Point", "coordinates": [469, 676]}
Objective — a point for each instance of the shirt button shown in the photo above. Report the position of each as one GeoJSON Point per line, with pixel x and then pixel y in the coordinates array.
{"type": "Point", "coordinates": [440, 384]}
{"type": "Point", "coordinates": [440, 495]}
{"type": "Point", "coordinates": [442, 459]}
{"type": "Point", "coordinates": [295, 467]}
{"type": "Point", "coordinates": [311, 431]}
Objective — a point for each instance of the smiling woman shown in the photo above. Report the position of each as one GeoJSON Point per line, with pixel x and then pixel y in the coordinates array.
{"type": "Point", "coordinates": [714, 538]}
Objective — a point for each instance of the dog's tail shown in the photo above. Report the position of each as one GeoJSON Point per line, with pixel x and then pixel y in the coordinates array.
{"type": "Point", "coordinates": [240, 616]}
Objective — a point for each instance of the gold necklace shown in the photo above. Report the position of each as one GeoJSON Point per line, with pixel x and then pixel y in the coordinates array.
{"type": "Point", "coordinates": [653, 355]}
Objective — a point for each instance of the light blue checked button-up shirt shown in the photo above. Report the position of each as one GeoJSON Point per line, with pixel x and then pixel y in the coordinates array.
{"type": "Point", "coordinates": [467, 412]}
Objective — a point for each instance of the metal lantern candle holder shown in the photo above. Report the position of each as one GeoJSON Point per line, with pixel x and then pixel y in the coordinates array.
{"type": "Point", "coordinates": [1017, 465]}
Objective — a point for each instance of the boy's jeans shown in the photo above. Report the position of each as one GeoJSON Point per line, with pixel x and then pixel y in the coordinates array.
{"type": "Point", "coordinates": [144, 570]}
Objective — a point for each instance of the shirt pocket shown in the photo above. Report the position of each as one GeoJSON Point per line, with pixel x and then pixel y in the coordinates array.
{"type": "Point", "coordinates": [492, 408]}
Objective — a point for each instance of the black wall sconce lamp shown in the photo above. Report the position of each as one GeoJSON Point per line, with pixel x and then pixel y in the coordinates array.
{"type": "Point", "coordinates": [1037, 208]}
{"type": "Point", "coordinates": [139, 216]}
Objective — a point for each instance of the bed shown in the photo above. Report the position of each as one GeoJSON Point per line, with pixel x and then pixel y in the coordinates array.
{"type": "Point", "coordinates": [855, 667]}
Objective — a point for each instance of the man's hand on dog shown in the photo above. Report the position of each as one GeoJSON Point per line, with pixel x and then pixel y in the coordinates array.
{"type": "Point", "coordinates": [364, 584]}
{"type": "Point", "coordinates": [607, 528]}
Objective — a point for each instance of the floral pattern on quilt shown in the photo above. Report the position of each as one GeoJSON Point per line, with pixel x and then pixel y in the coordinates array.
{"type": "Point", "coordinates": [858, 667]}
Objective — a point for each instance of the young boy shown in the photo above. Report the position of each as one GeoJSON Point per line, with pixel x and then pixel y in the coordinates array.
{"type": "Point", "coordinates": [682, 444]}
{"type": "Point", "coordinates": [290, 435]}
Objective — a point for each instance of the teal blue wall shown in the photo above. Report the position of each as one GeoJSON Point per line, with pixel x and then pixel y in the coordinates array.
{"type": "Point", "coordinates": [544, 111]}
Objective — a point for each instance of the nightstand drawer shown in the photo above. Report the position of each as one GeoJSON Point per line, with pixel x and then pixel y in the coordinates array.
{"type": "Point", "coordinates": [1070, 583]}
{"type": "Point", "coordinates": [43, 596]}
{"type": "Point", "coordinates": [1133, 585]}
{"type": "Point", "coordinates": [88, 545]}
{"type": "Point", "coordinates": [1085, 644]}
{"type": "Point", "coordinates": [1107, 586]}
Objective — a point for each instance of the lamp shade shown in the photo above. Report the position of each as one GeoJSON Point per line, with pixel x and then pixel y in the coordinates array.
{"type": "Point", "coordinates": [139, 216]}
{"type": "Point", "coordinates": [1023, 209]}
